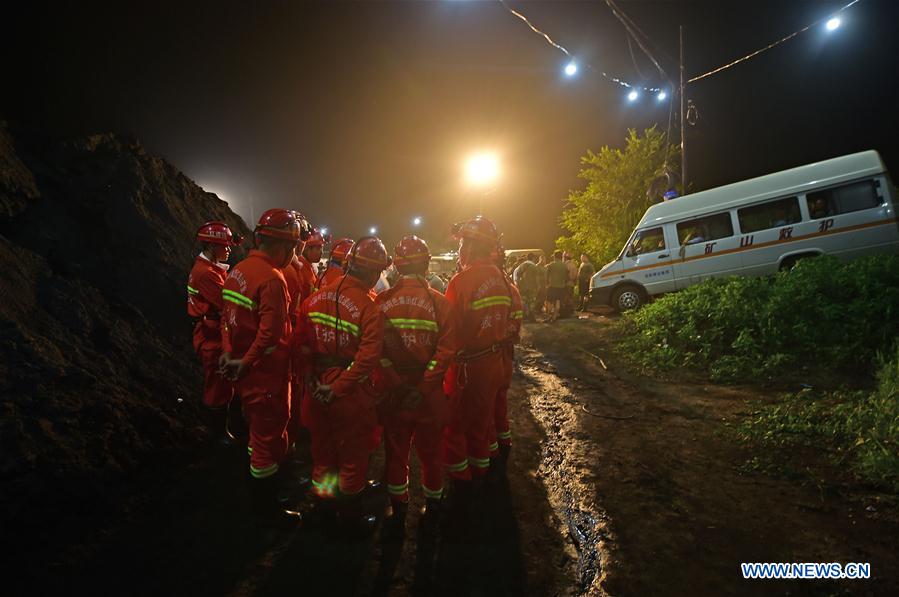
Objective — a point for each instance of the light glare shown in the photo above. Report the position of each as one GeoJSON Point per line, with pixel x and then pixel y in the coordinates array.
{"type": "Point", "coordinates": [373, 230]}
{"type": "Point", "coordinates": [571, 69]}
{"type": "Point", "coordinates": [833, 23]}
{"type": "Point", "coordinates": [482, 169]}
{"type": "Point", "coordinates": [633, 95]}
{"type": "Point", "coordinates": [662, 95]}
{"type": "Point", "coordinates": [416, 221]}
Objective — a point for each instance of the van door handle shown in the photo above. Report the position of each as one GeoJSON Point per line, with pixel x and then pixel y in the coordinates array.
{"type": "Point", "coordinates": [663, 256]}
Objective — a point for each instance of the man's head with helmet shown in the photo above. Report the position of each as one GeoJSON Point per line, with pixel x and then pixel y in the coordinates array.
{"type": "Point", "coordinates": [478, 239]}
{"type": "Point", "coordinates": [367, 259]}
{"type": "Point", "coordinates": [216, 240]}
{"type": "Point", "coordinates": [277, 235]}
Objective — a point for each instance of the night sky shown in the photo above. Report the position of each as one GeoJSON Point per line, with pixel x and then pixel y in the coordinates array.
{"type": "Point", "coordinates": [361, 114]}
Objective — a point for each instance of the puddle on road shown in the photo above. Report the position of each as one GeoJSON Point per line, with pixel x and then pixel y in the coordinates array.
{"type": "Point", "coordinates": [566, 461]}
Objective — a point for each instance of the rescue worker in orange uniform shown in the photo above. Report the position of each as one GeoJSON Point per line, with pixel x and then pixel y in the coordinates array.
{"type": "Point", "coordinates": [204, 304]}
{"type": "Point", "coordinates": [419, 346]}
{"type": "Point", "coordinates": [336, 262]}
{"type": "Point", "coordinates": [256, 339]}
{"type": "Point", "coordinates": [500, 432]}
{"type": "Point", "coordinates": [299, 289]}
{"type": "Point", "coordinates": [481, 306]}
{"type": "Point", "coordinates": [309, 258]}
{"type": "Point", "coordinates": [342, 337]}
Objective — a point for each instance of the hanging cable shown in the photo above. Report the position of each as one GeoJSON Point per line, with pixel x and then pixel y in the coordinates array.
{"type": "Point", "coordinates": [617, 12]}
{"type": "Point", "coordinates": [769, 46]}
{"type": "Point", "coordinates": [561, 48]}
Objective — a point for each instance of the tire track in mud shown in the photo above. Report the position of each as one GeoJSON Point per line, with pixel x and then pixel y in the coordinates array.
{"type": "Point", "coordinates": [568, 455]}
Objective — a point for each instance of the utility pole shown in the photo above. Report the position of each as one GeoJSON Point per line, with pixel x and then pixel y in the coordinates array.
{"type": "Point", "coordinates": [683, 125]}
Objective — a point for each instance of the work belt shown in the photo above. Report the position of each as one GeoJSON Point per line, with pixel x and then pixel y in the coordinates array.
{"type": "Point", "coordinates": [323, 362]}
{"type": "Point", "coordinates": [466, 357]}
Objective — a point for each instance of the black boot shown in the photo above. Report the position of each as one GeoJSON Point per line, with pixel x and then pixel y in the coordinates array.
{"type": "Point", "coordinates": [236, 425]}
{"type": "Point", "coordinates": [430, 515]}
{"type": "Point", "coordinates": [267, 511]}
{"type": "Point", "coordinates": [323, 513]}
{"type": "Point", "coordinates": [291, 484]}
{"type": "Point", "coordinates": [395, 521]}
{"type": "Point", "coordinates": [354, 520]}
{"type": "Point", "coordinates": [457, 510]}
{"type": "Point", "coordinates": [215, 420]}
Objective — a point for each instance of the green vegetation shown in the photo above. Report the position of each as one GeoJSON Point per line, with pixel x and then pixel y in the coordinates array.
{"type": "Point", "coordinates": [601, 217]}
{"type": "Point", "coordinates": [859, 429]}
{"type": "Point", "coordinates": [822, 315]}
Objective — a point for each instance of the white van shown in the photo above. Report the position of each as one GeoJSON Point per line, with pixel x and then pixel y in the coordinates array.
{"type": "Point", "coordinates": [843, 207]}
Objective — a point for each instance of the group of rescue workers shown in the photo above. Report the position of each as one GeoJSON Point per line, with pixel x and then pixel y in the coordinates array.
{"type": "Point", "coordinates": [321, 356]}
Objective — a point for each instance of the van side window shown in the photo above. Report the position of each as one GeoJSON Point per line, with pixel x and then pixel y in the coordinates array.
{"type": "Point", "coordinates": [705, 229]}
{"type": "Point", "coordinates": [772, 214]}
{"type": "Point", "coordinates": [647, 241]}
{"type": "Point", "coordinates": [842, 200]}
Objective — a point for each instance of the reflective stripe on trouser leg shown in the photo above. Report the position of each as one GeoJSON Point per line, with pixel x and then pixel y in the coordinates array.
{"type": "Point", "coordinates": [501, 407]}
{"type": "Point", "coordinates": [478, 399]}
{"type": "Point", "coordinates": [397, 443]}
{"type": "Point", "coordinates": [454, 456]}
{"type": "Point", "coordinates": [267, 420]}
{"type": "Point", "coordinates": [427, 441]}
{"type": "Point", "coordinates": [324, 481]}
{"type": "Point", "coordinates": [323, 448]}
{"type": "Point", "coordinates": [353, 422]}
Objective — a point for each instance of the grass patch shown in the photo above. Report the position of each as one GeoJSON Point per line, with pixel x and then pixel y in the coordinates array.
{"type": "Point", "coordinates": [824, 314]}
{"type": "Point", "coordinates": [858, 429]}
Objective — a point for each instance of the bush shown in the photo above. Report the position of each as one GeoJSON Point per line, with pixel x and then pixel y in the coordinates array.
{"type": "Point", "coordinates": [823, 314]}
{"type": "Point", "coordinates": [861, 429]}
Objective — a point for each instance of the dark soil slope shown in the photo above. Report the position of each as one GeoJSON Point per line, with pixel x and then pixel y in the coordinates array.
{"type": "Point", "coordinates": [97, 376]}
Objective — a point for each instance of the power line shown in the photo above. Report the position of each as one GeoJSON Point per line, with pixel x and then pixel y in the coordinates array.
{"type": "Point", "coordinates": [559, 46]}
{"type": "Point", "coordinates": [769, 46]}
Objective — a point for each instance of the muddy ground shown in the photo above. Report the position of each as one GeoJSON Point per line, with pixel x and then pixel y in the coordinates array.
{"type": "Point", "coordinates": [618, 484]}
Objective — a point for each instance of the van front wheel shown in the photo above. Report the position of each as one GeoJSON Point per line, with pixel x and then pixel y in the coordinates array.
{"type": "Point", "coordinates": [628, 298]}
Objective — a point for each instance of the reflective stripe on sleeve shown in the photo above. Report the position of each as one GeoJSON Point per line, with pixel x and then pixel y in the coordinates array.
{"type": "Point", "coordinates": [517, 315]}
{"type": "Point", "coordinates": [192, 291]}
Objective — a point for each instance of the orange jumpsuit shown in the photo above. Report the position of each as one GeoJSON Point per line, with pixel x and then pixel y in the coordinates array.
{"type": "Point", "coordinates": [331, 274]}
{"type": "Point", "coordinates": [481, 306]}
{"type": "Point", "coordinates": [341, 348]}
{"type": "Point", "coordinates": [204, 303]}
{"type": "Point", "coordinates": [419, 346]}
{"type": "Point", "coordinates": [308, 278]}
{"type": "Point", "coordinates": [500, 432]}
{"type": "Point", "coordinates": [293, 276]}
{"type": "Point", "coordinates": [256, 329]}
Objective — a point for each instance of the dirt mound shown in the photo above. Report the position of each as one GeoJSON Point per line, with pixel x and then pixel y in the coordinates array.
{"type": "Point", "coordinates": [96, 239]}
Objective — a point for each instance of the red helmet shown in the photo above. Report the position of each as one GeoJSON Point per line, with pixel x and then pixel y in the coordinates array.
{"type": "Point", "coordinates": [305, 226]}
{"type": "Point", "coordinates": [279, 223]}
{"type": "Point", "coordinates": [316, 239]}
{"type": "Point", "coordinates": [411, 251]}
{"type": "Point", "coordinates": [478, 228]}
{"type": "Point", "coordinates": [217, 233]}
{"type": "Point", "coordinates": [369, 254]}
{"type": "Point", "coordinates": [341, 248]}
